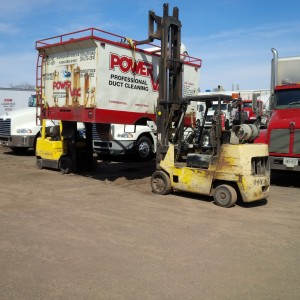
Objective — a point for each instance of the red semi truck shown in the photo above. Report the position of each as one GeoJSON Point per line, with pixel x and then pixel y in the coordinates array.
{"type": "Point", "coordinates": [283, 132]}
{"type": "Point", "coordinates": [253, 113]}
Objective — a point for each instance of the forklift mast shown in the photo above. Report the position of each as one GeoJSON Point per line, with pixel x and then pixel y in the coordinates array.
{"type": "Point", "coordinates": [167, 29]}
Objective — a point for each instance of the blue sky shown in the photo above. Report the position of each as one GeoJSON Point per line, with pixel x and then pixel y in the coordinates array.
{"type": "Point", "coordinates": [233, 37]}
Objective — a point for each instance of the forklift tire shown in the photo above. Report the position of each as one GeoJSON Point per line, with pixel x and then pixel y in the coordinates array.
{"type": "Point", "coordinates": [66, 165]}
{"type": "Point", "coordinates": [39, 163]}
{"type": "Point", "coordinates": [225, 195]}
{"type": "Point", "coordinates": [160, 183]}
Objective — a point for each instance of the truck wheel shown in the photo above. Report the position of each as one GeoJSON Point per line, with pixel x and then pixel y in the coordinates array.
{"type": "Point", "coordinates": [144, 148]}
{"type": "Point", "coordinates": [65, 165]}
{"type": "Point", "coordinates": [19, 150]}
{"type": "Point", "coordinates": [225, 195]}
{"type": "Point", "coordinates": [160, 183]}
{"type": "Point", "coordinates": [39, 163]}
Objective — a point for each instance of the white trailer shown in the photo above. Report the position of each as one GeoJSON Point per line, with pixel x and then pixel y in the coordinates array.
{"type": "Point", "coordinates": [12, 99]}
{"type": "Point", "coordinates": [97, 77]}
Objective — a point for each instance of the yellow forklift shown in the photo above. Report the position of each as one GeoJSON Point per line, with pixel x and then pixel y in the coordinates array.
{"type": "Point", "coordinates": [64, 147]}
{"type": "Point", "coordinates": [225, 164]}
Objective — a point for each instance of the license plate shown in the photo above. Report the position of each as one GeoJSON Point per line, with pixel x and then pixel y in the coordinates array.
{"type": "Point", "coordinates": [290, 162]}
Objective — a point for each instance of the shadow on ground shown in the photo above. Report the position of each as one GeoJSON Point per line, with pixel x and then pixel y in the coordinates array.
{"type": "Point", "coordinates": [285, 178]}
{"type": "Point", "coordinates": [29, 152]}
{"type": "Point", "coordinates": [128, 167]}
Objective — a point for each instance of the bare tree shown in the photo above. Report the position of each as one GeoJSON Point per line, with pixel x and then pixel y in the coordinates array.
{"type": "Point", "coordinates": [24, 85]}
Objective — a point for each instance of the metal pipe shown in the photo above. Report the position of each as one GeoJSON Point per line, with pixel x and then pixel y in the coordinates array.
{"type": "Point", "coordinates": [274, 68]}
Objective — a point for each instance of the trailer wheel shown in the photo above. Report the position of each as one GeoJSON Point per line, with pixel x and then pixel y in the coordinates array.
{"type": "Point", "coordinates": [39, 163]}
{"type": "Point", "coordinates": [225, 195]}
{"type": "Point", "coordinates": [65, 165]}
{"type": "Point", "coordinates": [160, 183]}
{"type": "Point", "coordinates": [144, 148]}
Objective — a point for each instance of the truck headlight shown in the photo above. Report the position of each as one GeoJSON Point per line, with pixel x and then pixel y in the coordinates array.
{"type": "Point", "coordinates": [24, 130]}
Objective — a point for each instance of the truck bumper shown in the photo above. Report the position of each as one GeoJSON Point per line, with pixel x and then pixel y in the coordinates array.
{"type": "Point", "coordinates": [277, 163]}
{"type": "Point", "coordinates": [113, 147]}
{"type": "Point", "coordinates": [17, 141]}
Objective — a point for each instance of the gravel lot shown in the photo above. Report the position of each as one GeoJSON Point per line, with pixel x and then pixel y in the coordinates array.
{"type": "Point", "coordinates": [105, 235]}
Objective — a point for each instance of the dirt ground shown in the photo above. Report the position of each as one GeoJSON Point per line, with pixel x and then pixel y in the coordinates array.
{"type": "Point", "coordinates": [105, 235]}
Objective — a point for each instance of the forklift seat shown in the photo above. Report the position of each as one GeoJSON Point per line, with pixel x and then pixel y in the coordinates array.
{"type": "Point", "coordinates": [54, 131]}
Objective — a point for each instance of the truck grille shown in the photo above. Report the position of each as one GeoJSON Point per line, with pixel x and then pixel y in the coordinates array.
{"type": "Point", "coordinates": [5, 126]}
{"type": "Point", "coordinates": [101, 131]}
{"type": "Point", "coordinates": [297, 142]}
{"type": "Point", "coordinates": [280, 141]}
{"type": "Point", "coordinates": [95, 133]}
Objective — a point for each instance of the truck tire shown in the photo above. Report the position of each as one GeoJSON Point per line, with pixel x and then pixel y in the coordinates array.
{"type": "Point", "coordinates": [66, 165]}
{"type": "Point", "coordinates": [225, 195]}
{"type": "Point", "coordinates": [144, 148]}
{"type": "Point", "coordinates": [160, 183]}
{"type": "Point", "coordinates": [19, 150]}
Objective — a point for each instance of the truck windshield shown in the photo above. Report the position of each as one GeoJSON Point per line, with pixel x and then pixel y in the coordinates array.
{"type": "Point", "coordinates": [287, 98]}
{"type": "Point", "coordinates": [247, 104]}
{"type": "Point", "coordinates": [32, 101]}
{"type": "Point", "coordinates": [215, 106]}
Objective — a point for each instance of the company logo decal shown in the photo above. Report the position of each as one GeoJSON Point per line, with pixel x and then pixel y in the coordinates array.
{"type": "Point", "coordinates": [129, 66]}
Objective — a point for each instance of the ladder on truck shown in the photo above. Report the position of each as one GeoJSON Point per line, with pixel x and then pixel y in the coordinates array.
{"type": "Point", "coordinates": [39, 88]}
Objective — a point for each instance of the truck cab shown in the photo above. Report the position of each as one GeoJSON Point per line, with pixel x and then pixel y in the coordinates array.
{"type": "Point", "coordinates": [283, 132]}
{"type": "Point", "coordinates": [251, 113]}
{"type": "Point", "coordinates": [125, 139]}
{"type": "Point", "coordinates": [226, 109]}
{"type": "Point", "coordinates": [18, 128]}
